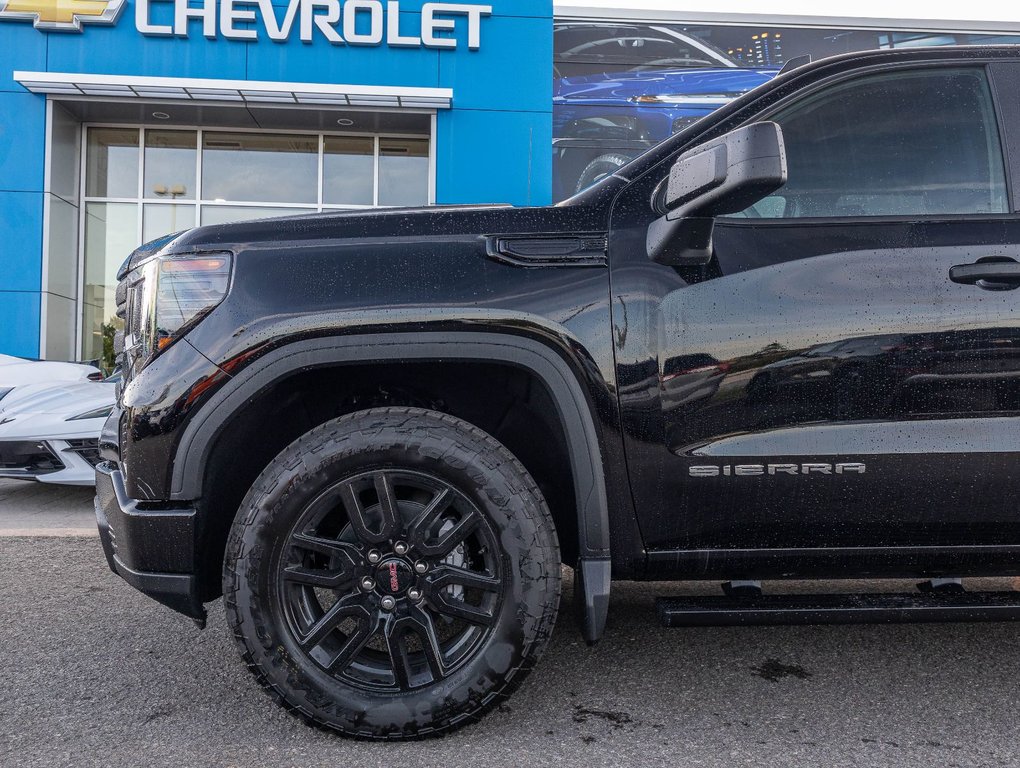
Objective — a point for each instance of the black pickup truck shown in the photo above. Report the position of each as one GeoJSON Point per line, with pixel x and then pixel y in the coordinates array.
{"type": "Point", "coordinates": [785, 343]}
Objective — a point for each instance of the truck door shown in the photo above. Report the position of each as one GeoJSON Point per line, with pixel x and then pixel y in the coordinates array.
{"type": "Point", "coordinates": [846, 370]}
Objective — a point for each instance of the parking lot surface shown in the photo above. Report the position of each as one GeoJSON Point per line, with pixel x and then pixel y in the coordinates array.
{"type": "Point", "coordinates": [37, 509]}
{"type": "Point", "coordinates": [95, 674]}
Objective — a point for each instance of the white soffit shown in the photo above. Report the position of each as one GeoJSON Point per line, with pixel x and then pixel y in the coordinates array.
{"type": "Point", "coordinates": [239, 91]}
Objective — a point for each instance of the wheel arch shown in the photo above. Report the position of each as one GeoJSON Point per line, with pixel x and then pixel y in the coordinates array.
{"type": "Point", "coordinates": [573, 410]}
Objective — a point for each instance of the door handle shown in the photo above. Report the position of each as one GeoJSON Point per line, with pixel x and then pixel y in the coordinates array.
{"type": "Point", "coordinates": [993, 273]}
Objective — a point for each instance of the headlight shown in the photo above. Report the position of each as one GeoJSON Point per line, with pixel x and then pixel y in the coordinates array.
{"type": "Point", "coordinates": [685, 100]}
{"type": "Point", "coordinates": [174, 294]}
{"type": "Point", "coordinates": [187, 288]}
{"type": "Point", "coordinates": [4, 392]}
{"type": "Point", "coordinates": [96, 413]}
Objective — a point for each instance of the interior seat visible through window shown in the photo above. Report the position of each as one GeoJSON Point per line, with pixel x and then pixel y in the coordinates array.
{"type": "Point", "coordinates": [920, 142]}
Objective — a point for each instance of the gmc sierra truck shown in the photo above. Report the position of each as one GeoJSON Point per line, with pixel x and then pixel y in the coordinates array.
{"type": "Point", "coordinates": [784, 343]}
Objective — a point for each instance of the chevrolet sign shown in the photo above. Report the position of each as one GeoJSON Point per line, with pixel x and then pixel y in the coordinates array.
{"type": "Point", "coordinates": [341, 22]}
{"type": "Point", "coordinates": [353, 22]}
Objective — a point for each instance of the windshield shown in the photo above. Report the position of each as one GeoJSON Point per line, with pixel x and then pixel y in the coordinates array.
{"type": "Point", "coordinates": [592, 49]}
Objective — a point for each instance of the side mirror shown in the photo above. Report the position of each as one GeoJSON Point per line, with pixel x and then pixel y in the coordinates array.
{"type": "Point", "coordinates": [722, 176]}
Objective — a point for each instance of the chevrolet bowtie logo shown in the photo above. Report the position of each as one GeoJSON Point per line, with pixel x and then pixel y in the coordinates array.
{"type": "Point", "coordinates": [62, 14]}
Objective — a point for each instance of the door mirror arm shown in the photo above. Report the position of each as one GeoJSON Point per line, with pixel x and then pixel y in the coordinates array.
{"type": "Point", "coordinates": [725, 175]}
{"type": "Point", "coordinates": [684, 242]}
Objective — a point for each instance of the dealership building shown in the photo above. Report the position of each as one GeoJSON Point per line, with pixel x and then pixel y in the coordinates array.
{"type": "Point", "coordinates": [123, 120]}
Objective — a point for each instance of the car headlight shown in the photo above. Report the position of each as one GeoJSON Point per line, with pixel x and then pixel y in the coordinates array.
{"type": "Point", "coordinates": [4, 391]}
{"type": "Point", "coordinates": [685, 99]}
{"type": "Point", "coordinates": [95, 413]}
{"type": "Point", "coordinates": [173, 295]}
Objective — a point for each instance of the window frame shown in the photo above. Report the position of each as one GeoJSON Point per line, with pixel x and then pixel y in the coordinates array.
{"type": "Point", "coordinates": [197, 203]}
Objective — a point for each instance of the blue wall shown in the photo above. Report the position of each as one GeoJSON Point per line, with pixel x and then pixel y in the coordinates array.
{"type": "Point", "coordinates": [22, 149]}
{"type": "Point", "coordinates": [492, 146]}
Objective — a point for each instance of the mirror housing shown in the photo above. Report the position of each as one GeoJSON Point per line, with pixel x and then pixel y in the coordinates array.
{"type": "Point", "coordinates": [722, 176]}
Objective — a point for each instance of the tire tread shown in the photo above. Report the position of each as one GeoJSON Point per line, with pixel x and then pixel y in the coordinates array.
{"type": "Point", "coordinates": [287, 467]}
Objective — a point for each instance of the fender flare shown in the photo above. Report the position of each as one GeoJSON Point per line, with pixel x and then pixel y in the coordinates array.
{"type": "Point", "coordinates": [594, 569]}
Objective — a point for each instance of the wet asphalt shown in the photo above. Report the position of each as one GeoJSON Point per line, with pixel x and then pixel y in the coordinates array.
{"type": "Point", "coordinates": [94, 674]}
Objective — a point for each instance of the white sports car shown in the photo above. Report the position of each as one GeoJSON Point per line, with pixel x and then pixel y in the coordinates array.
{"type": "Point", "coordinates": [50, 432]}
{"type": "Point", "coordinates": [17, 372]}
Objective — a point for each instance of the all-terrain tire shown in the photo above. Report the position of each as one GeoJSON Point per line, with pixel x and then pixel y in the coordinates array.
{"type": "Point", "coordinates": [421, 446]}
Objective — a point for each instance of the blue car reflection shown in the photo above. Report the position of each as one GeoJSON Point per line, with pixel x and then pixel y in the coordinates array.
{"type": "Point", "coordinates": [622, 88]}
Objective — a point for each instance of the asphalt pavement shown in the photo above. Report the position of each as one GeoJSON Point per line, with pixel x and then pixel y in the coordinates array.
{"type": "Point", "coordinates": [94, 674]}
{"type": "Point", "coordinates": [37, 509]}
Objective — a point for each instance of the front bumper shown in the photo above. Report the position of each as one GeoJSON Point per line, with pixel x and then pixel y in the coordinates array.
{"type": "Point", "coordinates": [153, 550]}
{"type": "Point", "coordinates": [69, 461]}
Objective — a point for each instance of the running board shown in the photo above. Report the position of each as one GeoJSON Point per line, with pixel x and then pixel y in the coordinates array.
{"type": "Point", "coordinates": [708, 611]}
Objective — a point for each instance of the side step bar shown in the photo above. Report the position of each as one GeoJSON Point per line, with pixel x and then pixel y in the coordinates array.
{"type": "Point", "coordinates": [714, 611]}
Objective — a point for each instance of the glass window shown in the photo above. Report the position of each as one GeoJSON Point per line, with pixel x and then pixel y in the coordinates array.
{"type": "Point", "coordinates": [403, 171]}
{"type": "Point", "coordinates": [245, 175]}
{"type": "Point", "coordinates": [111, 233]}
{"type": "Point", "coordinates": [111, 165]}
{"type": "Point", "coordinates": [899, 144]}
{"type": "Point", "coordinates": [160, 219]}
{"type": "Point", "coordinates": [227, 214]}
{"type": "Point", "coordinates": [348, 170]}
{"type": "Point", "coordinates": [594, 49]}
{"type": "Point", "coordinates": [170, 164]}
{"type": "Point", "coordinates": [260, 167]}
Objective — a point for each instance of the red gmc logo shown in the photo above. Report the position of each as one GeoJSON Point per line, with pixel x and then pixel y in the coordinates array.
{"type": "Point", "coordinates": [394, 579]}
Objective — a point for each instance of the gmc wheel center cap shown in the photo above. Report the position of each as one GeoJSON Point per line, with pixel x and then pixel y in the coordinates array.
{"type": "Point", "coordinates": [394, 576]}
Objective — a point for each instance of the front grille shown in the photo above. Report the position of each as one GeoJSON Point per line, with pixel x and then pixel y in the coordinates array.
{"type": "Point", "coordinates": [121, 297]}
{"type": "Point", "coordinates": [87, 448]}
{"type": "Point", "coordinates": [27, 457]}
{"type": "Point", "coordinates": [133, 322]}
{"type": "Point", "coordinates": [130, 308]}
{"type": "Point", "coordinates": [118, 336]}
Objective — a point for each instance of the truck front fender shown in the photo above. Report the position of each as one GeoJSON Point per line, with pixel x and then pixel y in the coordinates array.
{"type": "Point", "coordinates": [549, 366]}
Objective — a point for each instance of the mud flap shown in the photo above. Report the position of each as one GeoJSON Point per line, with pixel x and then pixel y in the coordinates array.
{"type": "Point", "coordinates": [592, 579]}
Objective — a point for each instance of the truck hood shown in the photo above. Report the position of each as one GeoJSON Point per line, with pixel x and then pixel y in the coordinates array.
{"type": "Point", "coordinates": [391, 224]}
{"type": "Point", "coordinates": [727, 84]}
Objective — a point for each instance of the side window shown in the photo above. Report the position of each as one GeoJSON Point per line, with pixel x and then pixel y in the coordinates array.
{"type": "Point", "coordinates": [922, 142]}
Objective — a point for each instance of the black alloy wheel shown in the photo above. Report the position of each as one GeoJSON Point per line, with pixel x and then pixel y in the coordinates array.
{"type": "Point", "coordinates": [391, 580]}
{"type": "Point", "coordinates": [392, 574]}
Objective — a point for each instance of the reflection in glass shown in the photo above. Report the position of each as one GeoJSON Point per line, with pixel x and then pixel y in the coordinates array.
{"type": "Point", "coordinates": [164, 218]}
{"type": "Point", "coordinates": [112, 162]}
{"type": "Point", "coordinates": [111, 233]}
{"type": "Point", "coordinates": [596, 48]}
{"type": "Point", "coordinates": [403, 171]}
{"type": "Point", "coordinates": [227, 214]}
{"type": "Point", "coordinates": [259, 167]}
{"type": "Point", "coordinates": [170, 164]}
{"type": "Point", "coordinates": [885, 146]}
{"type": "Point", "coordinates": [348, 170]}
{"type": "Point", "coordinates": [269, 171]}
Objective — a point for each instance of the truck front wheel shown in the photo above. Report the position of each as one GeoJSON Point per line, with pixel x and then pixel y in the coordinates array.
{"type": "Point", "coordinates": [392, 574]}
